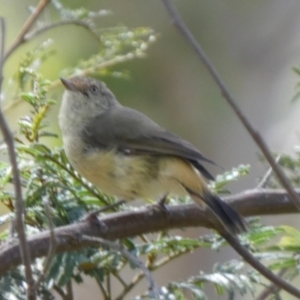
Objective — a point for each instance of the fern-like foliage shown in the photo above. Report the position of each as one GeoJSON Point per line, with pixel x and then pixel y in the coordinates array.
{"type": "Point", "coordinates": [46, 174]}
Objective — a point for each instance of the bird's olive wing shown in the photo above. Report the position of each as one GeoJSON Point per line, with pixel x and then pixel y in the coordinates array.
{"type": "Point", "coordinates": [134, 133]}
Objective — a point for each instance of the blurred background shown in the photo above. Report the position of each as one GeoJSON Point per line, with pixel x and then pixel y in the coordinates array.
{"type": "Point", "coordinates": [253, 45]}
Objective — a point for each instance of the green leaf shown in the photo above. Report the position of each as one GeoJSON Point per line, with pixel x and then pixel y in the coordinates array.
{"type": "Point", "coordinates": [261, 235]}
{"type": "Point", "coordinates": [194, 289]}
{"type": "Point", "coordinates": [227, 177]}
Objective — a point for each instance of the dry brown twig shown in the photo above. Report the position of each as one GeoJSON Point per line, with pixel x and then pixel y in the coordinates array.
{"type": "Point", "coordinates": [206, 220]}
{"type": "Point", "coordinates": [18, 203]}
{"type": "Point", "coordinates": [186, 33]}
{"type": "Point", "coordinates": [8, 137]}
{"type": "Point", "coordinates": [23, 37]}
{"type": "Point", "coordinates": [233, 241]}
{"type": "Point", "coordinates": [20, 39]}
{"type": "Point", "coordinates": [118, 247]}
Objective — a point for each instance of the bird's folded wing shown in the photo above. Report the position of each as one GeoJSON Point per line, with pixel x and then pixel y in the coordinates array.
{"type": "Point", "coordinates": [134, 133]}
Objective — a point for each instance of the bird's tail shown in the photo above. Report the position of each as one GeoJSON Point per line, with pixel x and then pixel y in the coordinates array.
{"type": "Point", "coordinates": [195, 186]}
{"type": "Point", "coordinates": [233, 221]}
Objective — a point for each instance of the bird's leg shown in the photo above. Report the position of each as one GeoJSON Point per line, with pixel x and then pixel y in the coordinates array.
{"type": "Point", "coordinates": [161, 205]}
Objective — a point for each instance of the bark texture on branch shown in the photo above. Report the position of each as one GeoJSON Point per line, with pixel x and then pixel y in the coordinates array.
{"type": "Point", "coordinates": [125, 224]}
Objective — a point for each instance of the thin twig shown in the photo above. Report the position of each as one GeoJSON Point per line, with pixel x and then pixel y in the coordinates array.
{"type": "Point", "coordinates": [19, 206]}
{"type": "Point", "coordinates": [53, 244]}
{"type": "Point", "coordinates": [59, 291]}
{"type": "Point", "coordinates": [272, 288]}
{"type": "Point", "coordinates": [104, 293]}
{"type": "Point", "coordinates": [184, 30]}
{"type": "Point", "coordinates": [119, 278]}
{"type": "Point", "coordinates": [233, 241]}
{"type": "Point", "coordinates": [19, 40]}
{"type": "Point", "coordinates": [257, 265]}
{"type": "Point", "coordinates": [268, 175]}
{"type": "Point", "coordinates": [118, 247]}
{"type": "Point", "coordinates": [128, 287]}
{"type": "Point", "coordinates": [69, 295]}
{"type": "Point", "coordinates": [131, 285]}
{"type": "Point", "coordinates": [108, 284]}
{"type": "Point", "coordinates": [30, 35]}
{"type": "Point", "coordinates": [138, 277]}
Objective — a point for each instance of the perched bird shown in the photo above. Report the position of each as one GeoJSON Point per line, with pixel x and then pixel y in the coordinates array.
{"type": "Point", "coordinates": [127, 155]}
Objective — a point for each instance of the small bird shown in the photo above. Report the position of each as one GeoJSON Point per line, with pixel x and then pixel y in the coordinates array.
{"type": "Point", "coordinates": [125, 154]}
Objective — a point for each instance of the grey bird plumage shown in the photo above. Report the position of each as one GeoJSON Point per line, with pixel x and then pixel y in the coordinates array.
{"type": "Point", "coordinates": [128, 155]}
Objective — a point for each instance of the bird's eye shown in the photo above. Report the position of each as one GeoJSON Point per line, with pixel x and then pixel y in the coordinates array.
{"type": "Point", "coordinates": [94, 89]}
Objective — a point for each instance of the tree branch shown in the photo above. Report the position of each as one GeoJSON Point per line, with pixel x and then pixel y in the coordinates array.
{"type": "Point", "coordinates": [18, 203]}
{"type": "Point", "coordinates": [38, 31]}
{"type": "Point", "coordinates": [184, 30]}
{"type": "Point", "coordinates": [126, 224]}
{"type": "Point", "coordinates": [20, 39]}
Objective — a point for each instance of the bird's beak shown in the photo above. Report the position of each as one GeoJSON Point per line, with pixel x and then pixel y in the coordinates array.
{"type": "Point", "coordinates": [68, 84]}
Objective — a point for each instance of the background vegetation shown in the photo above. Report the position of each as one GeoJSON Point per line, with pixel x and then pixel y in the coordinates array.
{"type": "Point", "coordinates": [172, 87]}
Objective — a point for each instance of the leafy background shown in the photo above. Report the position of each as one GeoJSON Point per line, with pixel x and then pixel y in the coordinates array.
{"type": "Point", "coordinates": [253, 45]}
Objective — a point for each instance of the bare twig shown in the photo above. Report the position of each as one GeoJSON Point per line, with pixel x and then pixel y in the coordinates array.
{"type": "Point", "coordinates": [69, 295]}
{"type": "Point", "coordinates": [130, 286]}
{"type": "Point", "coordinates": [138, 277]}
{"type": "Point", "coordinates": [118, 247]}
{"type": "Point", "coordinates": [103, 291]}
{"type": "Point", "coordinates": [119, 278]}
{"type": "Point", "coordinates": [272, 288]}
{"type": "Point", "coordinates": [108, 284]}
{"type": "Point", "coordinates": [59, 291]}
{"type": "Point", "coordinates": [30, 35]}
{"type": "Point", "coordinates": [184, 30]}
{"type": "Point", "coordinates": [53, 244]}
{"type": "Point", "coordinates": [257, 265]}
{"type": "Point", "coordinates": [233, 241]}
{"type": "Point", "coordinates": [19, 206]}
{"type": "Point", "coordinates": [26, 27]}
{"type": "Point", "coordinates": [267, 176]}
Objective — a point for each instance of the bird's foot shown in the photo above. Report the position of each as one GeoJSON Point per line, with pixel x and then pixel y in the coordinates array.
{"type": "Point", "coordinates": [161, 205]}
